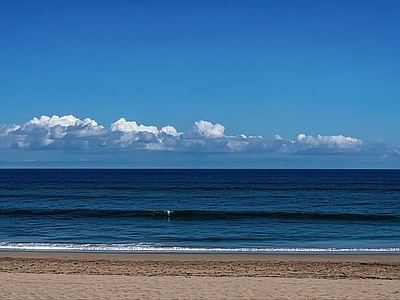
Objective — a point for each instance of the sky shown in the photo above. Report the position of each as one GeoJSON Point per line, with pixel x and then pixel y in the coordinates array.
{"type": "Point", "coordinates": [258, 84]}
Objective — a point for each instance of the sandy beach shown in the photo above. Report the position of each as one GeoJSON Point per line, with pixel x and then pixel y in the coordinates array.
{"type": "Point", "coordinates": [56, 275]}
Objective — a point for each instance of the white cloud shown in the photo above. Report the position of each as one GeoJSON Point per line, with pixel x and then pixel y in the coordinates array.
{"type": "Point", "coordinates": [65, 121]}
{"type": "Point", "coordinates": [334, 141]}
{"type": "Point", "coordinates": [170, 130]}
{"type": "Point", "coordinates": [7, 130]}
{"type": "Point", "coordinates": [45, 131]}
{"type": "Point", "coordinates": [69, 132]}
{"type": "Point", "coordinates": [132, 127]}
{"type": "Point", "coordinates": [142, 136]}
{"type": "Point", "coordinates": [209, 130]}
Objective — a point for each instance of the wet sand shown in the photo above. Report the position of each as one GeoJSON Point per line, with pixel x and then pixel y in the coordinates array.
{"type": "Point", "coordinates": [32, 275]}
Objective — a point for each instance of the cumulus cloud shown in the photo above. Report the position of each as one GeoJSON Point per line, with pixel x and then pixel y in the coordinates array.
{"type": "Point", "coordinates": [69, 132]}
{"type": "Point", "coordinates": [334, 144]}
{"type": "Point", "coordinates": [53, 132]}
{"type": "Point", "coordinates": [132, 127]}
{"type": "Point", "coordinates": [334, 141]}
{"type": "Point", "coordinates": [65, 121]}
{"type": "Point", "coordinates": [170, 130]}
{"type": "Point", "coordinates": [209, 130]}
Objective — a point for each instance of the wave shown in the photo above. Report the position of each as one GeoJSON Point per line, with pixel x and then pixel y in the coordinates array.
{"type": "Point", "coordinates": [194, 214]}
{"type": "Point", "coordinates": [156, 248]}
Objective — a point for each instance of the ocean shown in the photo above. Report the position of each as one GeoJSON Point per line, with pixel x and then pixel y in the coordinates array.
{"type": "Point", "coordinates": [202, 210]}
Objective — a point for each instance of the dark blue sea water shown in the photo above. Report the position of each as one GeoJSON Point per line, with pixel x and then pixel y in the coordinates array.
{"type": "Point", "coordinates": [200, 210]}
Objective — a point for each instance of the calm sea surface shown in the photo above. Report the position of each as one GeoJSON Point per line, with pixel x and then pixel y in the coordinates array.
{"type": "Point", "coordinates": [200, 210]}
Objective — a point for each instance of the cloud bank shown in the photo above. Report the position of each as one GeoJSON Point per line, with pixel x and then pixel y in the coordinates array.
{"type": "Point", "coordinates": [71, 133]}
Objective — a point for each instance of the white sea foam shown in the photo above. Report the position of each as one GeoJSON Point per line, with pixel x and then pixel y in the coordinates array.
{"type": "Point", "coordinates": [175, 249]}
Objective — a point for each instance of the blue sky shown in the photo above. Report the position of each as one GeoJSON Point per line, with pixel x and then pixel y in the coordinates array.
{"type": "Point", "coordinates": [257, 68]}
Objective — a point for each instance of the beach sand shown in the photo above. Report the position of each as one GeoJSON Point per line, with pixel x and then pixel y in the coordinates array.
{"type": "Point", "coordinates": [56, 275]}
